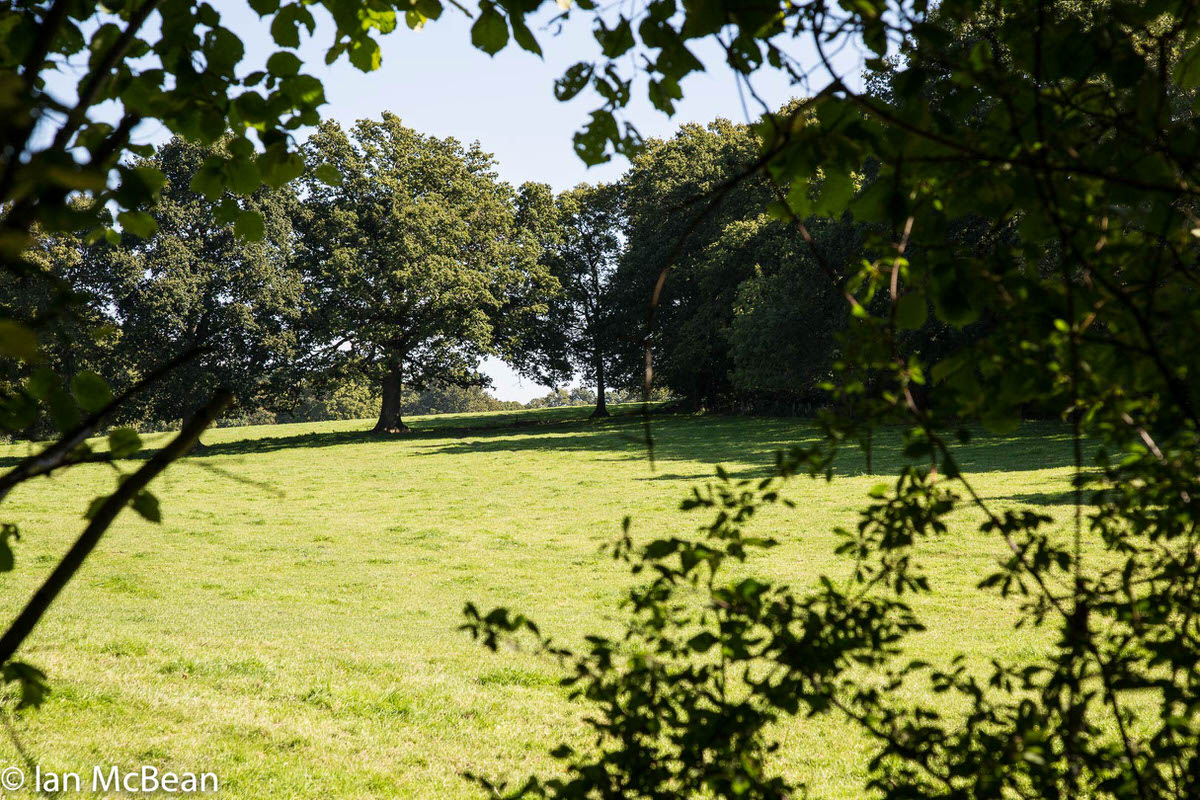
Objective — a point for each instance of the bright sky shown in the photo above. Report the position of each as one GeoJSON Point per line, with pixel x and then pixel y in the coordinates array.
{"type": "Point", "coordinates": [436, 82]}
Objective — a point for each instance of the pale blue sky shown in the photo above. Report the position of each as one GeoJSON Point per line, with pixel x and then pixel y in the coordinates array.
{"type": "Point", "coordinates": [438, 83]}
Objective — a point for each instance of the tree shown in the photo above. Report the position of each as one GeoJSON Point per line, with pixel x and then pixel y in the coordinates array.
{"type": "Point", "coordinates": [195, 285]}
{"type": "Point", "coordinates": [411, 258]}
{"type": "Point", "coordinates": [786, 317]}
{"type": "Point", "coordinates": [583, 257]}
{"type": "Point", "coordinates": [449, 399]}
{"type": "Point", "coordinates": [77, 343]}
{"type": "Point", "coordinates": [679, 195]}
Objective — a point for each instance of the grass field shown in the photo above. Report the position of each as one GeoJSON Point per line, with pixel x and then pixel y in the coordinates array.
{"type": "Point", "coordinates": [291, 624]}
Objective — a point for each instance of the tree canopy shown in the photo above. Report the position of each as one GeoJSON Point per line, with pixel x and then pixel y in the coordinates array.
{"type": "Point", "coordinates": [582, 254]}
{"type": "Point", "coordinates": [195, 285]}
{"type": "Point", "coordinates": [411, 257]}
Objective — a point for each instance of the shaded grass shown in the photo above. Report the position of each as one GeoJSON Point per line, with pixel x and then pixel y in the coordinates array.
{"type": "Point", "coordinates": [291, 624]}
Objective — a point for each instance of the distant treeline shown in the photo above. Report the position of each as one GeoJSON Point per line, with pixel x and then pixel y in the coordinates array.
{"type": "Point", "coordinates": [375, 279]}
{"type": "Point", "coordinates": [358, 400]}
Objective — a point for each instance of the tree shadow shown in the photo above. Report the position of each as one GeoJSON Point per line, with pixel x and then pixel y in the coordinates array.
{"type": "Point", "coordinates": [268, 444]}
{"type": "Point", "coordinates": [677, 437]}
{"type": "Point", "coordinates": [426, 430]}
{"type": "Point", "coordinates": [715, 439]}
{"type": "Point", "coordinates": [1065, 497]}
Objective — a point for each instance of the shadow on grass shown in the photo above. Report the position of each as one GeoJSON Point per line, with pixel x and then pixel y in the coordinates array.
{"type": "Point", "coordinates": [425, 430]}
{"type": "Point", "coordinates": [1065, 497]}
{"type": "Point", "coordinates": [676, 437]}
{"type": "Point", "coordinates": [738, 439]}
{"type": "Point", "coordinates": [708, 439]}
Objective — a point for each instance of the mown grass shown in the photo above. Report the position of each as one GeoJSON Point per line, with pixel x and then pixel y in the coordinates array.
{"type": "Point", "coordinates": [291, 625]}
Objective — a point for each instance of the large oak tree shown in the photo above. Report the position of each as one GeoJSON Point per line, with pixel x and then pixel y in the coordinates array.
{"type": "Point", "coordinates": [415, 264]}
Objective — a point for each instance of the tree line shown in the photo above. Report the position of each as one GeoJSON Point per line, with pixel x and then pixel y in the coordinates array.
{"type": "Point", "coordinates": [376, 280]}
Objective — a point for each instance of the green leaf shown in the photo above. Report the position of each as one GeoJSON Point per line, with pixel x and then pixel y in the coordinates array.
{"type": "Point", "coordinates": [249, 226]}
{"type": "Point", "coordinates": [366, 55]}
{"type": "Point", "coordinates": [124, 442]}
{"type": "Point", "coordinates": [17, 341]}
{"type": "Point", "coordinates": [63, 409]}
{"type": "Point", "coordinates": [209, 180]}
{"type": "Point", "coordinates": [614, 41]}
{"type": "Point", "coordinates": [285, 28]}
{"type": "Point", "coordinates": [950, 298]}
{"type": "Point", "coordinates": [911, 310]}
{"type": "Point", "coordinates": [224, 51]}
{"type": "Point", "coordinates": [226, 211]}
{"type": "Point", "coordinates": [243, 175]}
{"type": "Point", "coordinates": [489, 33]}
{"type": "Point", "coordinates": [278, 166]}
{"type": "Point", "coordinates": [91, 391]}
{"type": "Point", "coordinates": [139, 185]}
{"type": "Point", "coordinates": [251, 108]}
{"type": "Point", "coordinates": [573, 80]}
{"type": "Point", "coordinates": [523, 36]}
{"type": "Point", "coordinates": [139, 223]}
{"type": "Point", "coordinates": [41, 383]}
{"type": "Point", "coordinates": [303, 90]}
{"type": "Point", "coordinates": [283, 64]}
{"type": "Point", "coordinates": [146, 504]}
{"type": "Point", "coordinates": [836, 190]}
{"type": "Point", "coordinates": [431, 9]}
{"type": "Point", "coordinates": [329, 175]}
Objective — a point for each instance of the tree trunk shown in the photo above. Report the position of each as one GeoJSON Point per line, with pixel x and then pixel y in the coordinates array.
{"type": "Point", "coordinates": [390, 408]}
{"type": "Point", "coordinates": [188, 418]}
{"type": "Point", "coordinates": [601, 403]}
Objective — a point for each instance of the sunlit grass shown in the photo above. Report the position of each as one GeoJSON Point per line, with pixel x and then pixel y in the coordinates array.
{"type": "Point", "coordinates": [291, 626]}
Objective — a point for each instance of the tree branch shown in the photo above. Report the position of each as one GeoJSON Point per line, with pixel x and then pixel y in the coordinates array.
{"type": "Point", "coordinates": [29, 617]}
{"type": "Point", "coordinates": [58, 454]}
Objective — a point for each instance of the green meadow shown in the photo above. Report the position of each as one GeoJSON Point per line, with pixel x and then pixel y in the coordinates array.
{"type": "Point", "coordinates": [291, 624]}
